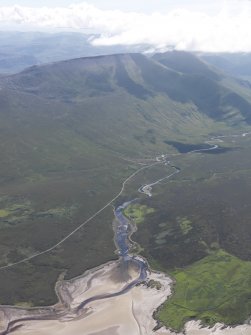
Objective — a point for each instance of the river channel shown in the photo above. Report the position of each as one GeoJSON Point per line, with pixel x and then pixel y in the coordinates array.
{"type": "Point", "coordinates": [82, 297]}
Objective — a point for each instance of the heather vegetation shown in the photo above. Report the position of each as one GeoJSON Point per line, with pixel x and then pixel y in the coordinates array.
{"type": "Point", "coordinates": [73, 131]}
{"type": "Point", "coordinates": [199, 232]}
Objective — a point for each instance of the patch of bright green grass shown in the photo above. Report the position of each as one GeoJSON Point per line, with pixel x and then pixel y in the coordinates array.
{"type": "Point", "coordinates": [137, 212]}
{"type": "Point", "coordinates": [15, 213]}
{"type": "Point", "coordinates": [4, 213]}
{"type": "Point", "coordinates": [215, 289]}
{"type": "Point", "coordinates": [59, 212]}
{"type": "Point", "coordinates": [185, 225]}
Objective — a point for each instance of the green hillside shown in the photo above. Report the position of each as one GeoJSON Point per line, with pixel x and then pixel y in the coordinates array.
{"type": "Point", "coordinates": [188, 63]}
{"type": "Point", "coordinates": [216, 289]}
{"type": "Point", "coordinates": [210, 90]}
{"type": "Point", "coordinates": [234, 64]}
{"type": "Point", "coordinates": [66, 130]}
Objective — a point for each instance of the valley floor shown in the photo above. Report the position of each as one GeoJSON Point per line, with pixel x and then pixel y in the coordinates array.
{"type": "Point", "coordinates": [122, 314]}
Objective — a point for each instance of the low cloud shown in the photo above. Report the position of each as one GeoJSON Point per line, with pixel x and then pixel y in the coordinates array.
{"type": "Point", "coordinates": [227, 31]}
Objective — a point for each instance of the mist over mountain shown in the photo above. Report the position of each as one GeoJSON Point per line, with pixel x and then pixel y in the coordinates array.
{"type": "Point", "coordinates": [20, 50]}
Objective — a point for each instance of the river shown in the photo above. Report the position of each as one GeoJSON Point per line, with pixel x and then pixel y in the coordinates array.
{"type": "Point", "coordinates": [81, 296]}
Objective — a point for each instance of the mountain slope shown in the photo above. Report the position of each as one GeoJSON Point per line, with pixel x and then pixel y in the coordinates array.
{"type": "Point", "coordinates": [185, 62]}
{"type": "Point", "coordinates": [235, 64]}
{"type": "Point", "coordinates": [139, 76]}
{"type": "Point", "coordinates": [126, 103]}
{"type": "Point", "coordinates": [69, 133]}
{"type": "Point", "coordinates": [209, 90]}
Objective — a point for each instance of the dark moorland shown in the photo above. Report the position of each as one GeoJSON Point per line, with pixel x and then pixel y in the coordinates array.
{"type": "Point", "coordinates": [73, 131]}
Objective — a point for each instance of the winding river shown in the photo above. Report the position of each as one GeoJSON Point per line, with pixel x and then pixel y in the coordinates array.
{"type": "Point", "coordinates": [122, 231]}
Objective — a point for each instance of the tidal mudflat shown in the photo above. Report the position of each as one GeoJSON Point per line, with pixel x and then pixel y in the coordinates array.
{"type": "Point", "coordinates": [127, 313]}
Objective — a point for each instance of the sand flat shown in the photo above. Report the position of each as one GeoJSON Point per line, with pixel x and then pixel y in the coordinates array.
{"type": "Point", "coordinates": [126, 314]}
{"type": "Point", "coordinates": [102, 281]}
{"type": "Point", "coordinates": [194, 328]}
{"type": "Point", "coordinates": [114, 314]}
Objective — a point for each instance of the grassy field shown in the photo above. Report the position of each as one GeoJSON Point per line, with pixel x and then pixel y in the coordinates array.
{"type": "Point", "coordinates": [215, 289]}
{"type": "Point", "coordinates": [137, 212]}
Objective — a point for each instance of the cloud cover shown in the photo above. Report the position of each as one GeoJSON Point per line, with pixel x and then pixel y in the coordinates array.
{"type": "Point", "coordinates": [227, 31]}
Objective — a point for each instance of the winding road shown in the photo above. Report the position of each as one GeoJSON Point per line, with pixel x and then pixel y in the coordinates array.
{"type": "Point", "coordinates": [121, 230]}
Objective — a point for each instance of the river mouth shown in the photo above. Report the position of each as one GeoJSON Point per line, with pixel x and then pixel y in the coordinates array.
{"type": "Point", "coordinates": [112, 299]}
{"type": "Point", "coordinates": [115, 280]}
{"type": "Point", "coordinates": [120, 314]}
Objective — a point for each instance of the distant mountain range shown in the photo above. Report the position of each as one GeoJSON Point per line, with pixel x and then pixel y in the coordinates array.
{"type": "Point", "coordinates": [235, 64]}
{"type": "Point", "coordinates": [19, 50]}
